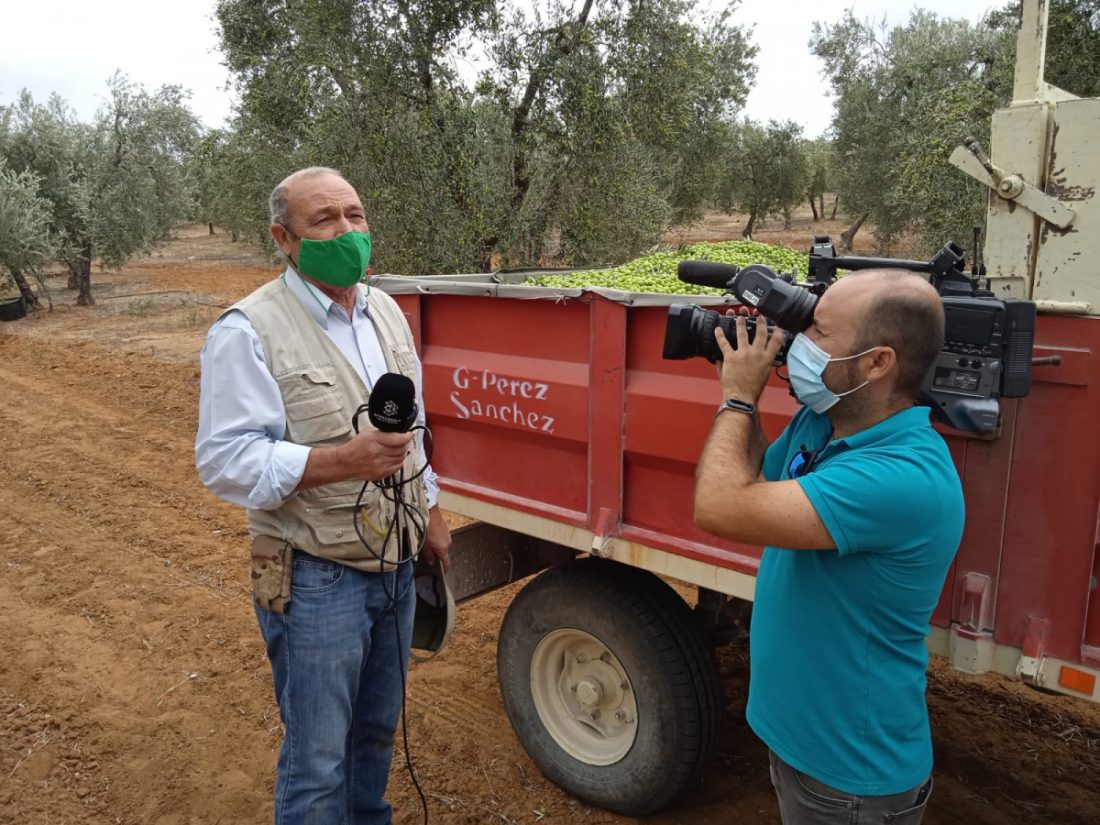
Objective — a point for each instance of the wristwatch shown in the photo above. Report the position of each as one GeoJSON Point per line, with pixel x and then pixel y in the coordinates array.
{"type": "Point", "coordinates": [739, 406]}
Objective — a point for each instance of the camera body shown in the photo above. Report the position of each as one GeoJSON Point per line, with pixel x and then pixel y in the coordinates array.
{"type": "Point", "coordinates": [985, 355]}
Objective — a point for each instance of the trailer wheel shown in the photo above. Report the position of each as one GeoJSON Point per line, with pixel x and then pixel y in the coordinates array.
{"type": "Point", "coordinates": [609, 685]}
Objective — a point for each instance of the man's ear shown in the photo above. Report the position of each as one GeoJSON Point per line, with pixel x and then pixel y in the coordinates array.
{"type": "Point", "coordinates": [883, 361]}
{"type": "Point", "coordinates": [282, 237]}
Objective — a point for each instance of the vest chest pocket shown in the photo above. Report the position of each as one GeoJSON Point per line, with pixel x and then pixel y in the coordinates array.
{"type": "Point", "coordinates": [314, 405]}
{"type": "Point", "coordinates": [405, 359]}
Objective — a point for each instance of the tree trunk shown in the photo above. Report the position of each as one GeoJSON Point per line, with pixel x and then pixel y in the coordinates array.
{"type": "Point", "coordinates": [25, 290]}
{"type": "Point", "coordinates": [43, 290]}
{"type": "Point", "coordinates": [74, 275]}
{"type": "Point", "coordinates": [234, 236]}
{"type": "Point", "coordinates": [746, 233]}
{"type": "Point", "coordinates": [836, 200]}
{"type": "Point", "coordinates": [786, 217]}
{"type": "Point", "coordinates": [813, 208]}
{"type": "Point", "coordinates": [821, 203]}
{"type": "Point", "coordinates": [211, 228]}
{"type": "Point", "coordinates": [521, 181]}
{"type": "Point", "coordinates": [849, 235]}
{"type": "Point", "coordinates": [84, 278]}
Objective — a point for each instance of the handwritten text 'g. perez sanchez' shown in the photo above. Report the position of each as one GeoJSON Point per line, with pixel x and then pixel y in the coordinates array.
{"type": "Point", "coordinates": [517, 395]}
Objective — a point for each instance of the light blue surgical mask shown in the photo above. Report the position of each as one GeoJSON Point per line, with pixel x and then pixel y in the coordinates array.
{"type": "Point", "coordinates": [806, 363]}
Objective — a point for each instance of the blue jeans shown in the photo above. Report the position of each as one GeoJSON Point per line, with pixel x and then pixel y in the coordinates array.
{"type": "Point", "coordinates": [338, 675]}
{"type": "Point", "coordinates": [805, 801]}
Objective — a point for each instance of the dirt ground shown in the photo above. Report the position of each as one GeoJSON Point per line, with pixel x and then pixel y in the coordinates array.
{"type": "Point", "coordinates": [133, 683]}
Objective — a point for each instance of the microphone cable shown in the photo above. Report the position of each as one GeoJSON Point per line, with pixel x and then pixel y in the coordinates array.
{"type": "Point", "coordinates": [405, 515]}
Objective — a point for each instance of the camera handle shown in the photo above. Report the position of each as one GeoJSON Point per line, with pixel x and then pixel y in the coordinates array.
{"type": "Point", "coordinates": [946, 268]}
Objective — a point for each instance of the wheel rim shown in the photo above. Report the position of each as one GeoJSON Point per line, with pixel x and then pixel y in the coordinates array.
{"type": "Point", "coordinates": [583, 696]}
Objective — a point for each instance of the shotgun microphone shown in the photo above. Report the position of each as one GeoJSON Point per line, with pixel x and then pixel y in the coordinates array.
{"type": "Point", "coordinates": [706, 273]}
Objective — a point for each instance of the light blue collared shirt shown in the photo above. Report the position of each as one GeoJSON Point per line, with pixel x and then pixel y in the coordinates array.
{"type": "Point", "coordinates": [239, 449]}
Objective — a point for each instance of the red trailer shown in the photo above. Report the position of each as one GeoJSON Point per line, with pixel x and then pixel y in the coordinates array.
{"type": "Point", "coordinates": [559, 427]}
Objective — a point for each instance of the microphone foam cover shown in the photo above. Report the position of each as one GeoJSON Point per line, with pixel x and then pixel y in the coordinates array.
{"type": "Point", "coordinates": [392, 404]}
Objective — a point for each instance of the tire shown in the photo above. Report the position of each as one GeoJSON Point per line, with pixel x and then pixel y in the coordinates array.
{"type": "Point", "coordinates": [609, 685]}
{"type": "Point", "coordinates": [12, 309]}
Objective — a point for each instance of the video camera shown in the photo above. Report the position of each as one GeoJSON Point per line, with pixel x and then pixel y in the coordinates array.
{"type": "Point", "coordinates": [985, 356]}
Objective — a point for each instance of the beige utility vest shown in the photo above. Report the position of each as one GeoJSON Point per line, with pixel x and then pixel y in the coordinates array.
{"type": "Point", "coordinates": [321, 392]}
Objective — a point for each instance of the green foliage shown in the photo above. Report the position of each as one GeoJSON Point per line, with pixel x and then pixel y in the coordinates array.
{"type": "Point", "coordinates": [764, 170]}
{"type": "Point", "coordinates": [25, 242]}
{"type": "Point", "coordinates": [905, 98]}
{"type": "Point", "coordinates": [216, 171]}
{"type": "Point", "coordinates": [820, 176]}
{"type": "Point", "coordinates": [679, 81]}
{"type": "Point", "coordinates": [46, 141]}
{"type": "Point", "coordinates": [946, 203]}
{"type": "Point", "coordinates": [657, 272]}
{"type": "Point", "coordinates": [591, 127]}
{"type": "Point", "coordinates": [115, 187]}
{"type": "Point", "coordinates": [140, 142]}
{"type": "Point", "coordinates": [1073, 43]}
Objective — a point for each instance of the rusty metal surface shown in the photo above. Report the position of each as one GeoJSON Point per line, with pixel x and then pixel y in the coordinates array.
{"type": "Point", "coordinates": [485, 557]}
{"type": "Point", "coordinates": [1067, 266]}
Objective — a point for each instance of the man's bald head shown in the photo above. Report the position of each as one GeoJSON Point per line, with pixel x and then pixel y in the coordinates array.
{"type": "Point", "coordinates": [278, 203]}
{"type": "Point", "coordinates": [901, 310]}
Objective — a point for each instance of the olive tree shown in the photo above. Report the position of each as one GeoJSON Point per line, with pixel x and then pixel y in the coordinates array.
{"type": "Point", "coordinates": [819, 177]}
{"type": "Point", "coordinates": [583, 129]}
{"type": "Point", "coordinates": [47, 141]}
{"type": "Point", "coordinates": [764, 170]}
{"type": "Point", "coordinates": [115, 186]}
{"type": "Point", "coordinates": [1073, 42]}
{"type": "Point", "coordinates": [891, 134]}
{"type": "Point", "coordinates": [26, 244]}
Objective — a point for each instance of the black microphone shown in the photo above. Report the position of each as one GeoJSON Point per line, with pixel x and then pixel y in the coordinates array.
{"type": "Point", "coordinates": [392, 404]}
{"type": "Point", "coordinates": [392, 408]}
{"type": "Point", "coordinates": [705, 273]}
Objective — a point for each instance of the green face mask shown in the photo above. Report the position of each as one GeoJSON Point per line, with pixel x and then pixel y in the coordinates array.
{"type": "Point", "coordinates": [339, 261]}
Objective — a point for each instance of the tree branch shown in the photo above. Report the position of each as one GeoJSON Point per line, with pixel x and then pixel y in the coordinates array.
{"type": "Point", "coordinates": [521, 117]}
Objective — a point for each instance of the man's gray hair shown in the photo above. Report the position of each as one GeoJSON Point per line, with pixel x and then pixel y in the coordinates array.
{"type": "Point", "coordinates": [277, 203]}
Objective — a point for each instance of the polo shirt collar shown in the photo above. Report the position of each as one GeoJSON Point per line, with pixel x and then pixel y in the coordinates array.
{"type": "Point", "coordinates": [909, 419]}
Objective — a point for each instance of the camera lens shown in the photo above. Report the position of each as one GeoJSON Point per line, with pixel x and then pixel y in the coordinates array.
{"type": "Point", "coordinates": [690, 329]}
{"type": "Point", "coordinates": [708, 320]}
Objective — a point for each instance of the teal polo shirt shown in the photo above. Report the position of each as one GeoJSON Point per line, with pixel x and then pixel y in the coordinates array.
{"type": "Point", "coordinates": [837, 640]}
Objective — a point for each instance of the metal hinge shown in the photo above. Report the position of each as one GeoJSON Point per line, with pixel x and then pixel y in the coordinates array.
{"type": "Point", "coordinates": [973, 161]}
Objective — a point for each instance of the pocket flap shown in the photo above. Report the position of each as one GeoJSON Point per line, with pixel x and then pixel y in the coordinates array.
{"type": "Point", "coordinates": [311, 392]}
{"type": "Point", "coordinates": [319, 375]}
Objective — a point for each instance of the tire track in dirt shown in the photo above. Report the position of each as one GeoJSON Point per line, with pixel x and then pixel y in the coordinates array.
{"type": "Point", "coordinates": [45, 745]}
{"type": "Point", "coordinates": [83, 466]}
{"type": "Point", "coordinates": [121, 577]}
{"type": "Point", "coordinates": [114, 441]}
{"type": "Point", "coordinates": [450, 711]}
{"type": "Point", "coordinates": [111, 559]}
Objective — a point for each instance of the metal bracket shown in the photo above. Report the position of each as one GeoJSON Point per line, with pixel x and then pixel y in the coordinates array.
{"type": "Point", "coordinates": [1029, 668]}
{"type": "Point", "coordinates": [970, 159]}
{"type": "Point", "coordinates": [606, 524]}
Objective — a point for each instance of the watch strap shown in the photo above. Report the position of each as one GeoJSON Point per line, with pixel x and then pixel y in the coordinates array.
{"type": "Point", "coordinates": [738, 406]}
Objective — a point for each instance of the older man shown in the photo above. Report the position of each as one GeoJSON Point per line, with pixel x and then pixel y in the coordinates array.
{"type": "Point", "coordinates": [283, 372]}
{"type": "Point", "coordinates": [862, 511]}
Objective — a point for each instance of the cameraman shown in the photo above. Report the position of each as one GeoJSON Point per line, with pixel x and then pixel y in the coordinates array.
{"type": "Point", "coordinates": [861, 509]}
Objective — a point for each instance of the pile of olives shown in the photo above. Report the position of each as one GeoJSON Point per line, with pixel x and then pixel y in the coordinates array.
{"type": "Point", "coordinates": [657, 272]}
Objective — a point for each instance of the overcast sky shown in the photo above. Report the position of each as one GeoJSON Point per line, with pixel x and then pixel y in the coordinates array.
{"type": "Point", "coordinates": [73, 46]}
